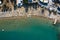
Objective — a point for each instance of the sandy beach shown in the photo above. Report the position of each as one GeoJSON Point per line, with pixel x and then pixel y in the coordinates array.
{"type": "Point", "coordinates": [20, 12]}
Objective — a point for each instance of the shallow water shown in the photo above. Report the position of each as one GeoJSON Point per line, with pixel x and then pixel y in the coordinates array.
{"type": "Point", "coordinates": [34, 28]}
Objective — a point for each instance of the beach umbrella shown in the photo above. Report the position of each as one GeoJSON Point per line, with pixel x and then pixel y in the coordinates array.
{"type": "Point", "coordinates": [43, 3]}
{"type": "Point", "coordinates": [58, 10]}
{"type": "Point", "coordinates": [19, 3]}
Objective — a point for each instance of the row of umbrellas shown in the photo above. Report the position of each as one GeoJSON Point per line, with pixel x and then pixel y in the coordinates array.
{"type": "Point", "coordinates": [50, 5]}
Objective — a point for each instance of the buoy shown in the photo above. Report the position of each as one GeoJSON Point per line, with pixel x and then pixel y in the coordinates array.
{"type": "Point", "coordinates": [2, 29]}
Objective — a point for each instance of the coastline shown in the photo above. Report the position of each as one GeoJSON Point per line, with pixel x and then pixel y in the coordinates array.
{"type": "Point", "coordinates": [21, 13]}
{"type": "Point", "coordinates": [14, 22]}
{"type": "Point", "coordinates": [19, 17]}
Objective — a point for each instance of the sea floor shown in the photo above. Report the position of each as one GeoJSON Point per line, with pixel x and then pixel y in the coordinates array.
{"type": "Point", "coordinates": [28, 28]}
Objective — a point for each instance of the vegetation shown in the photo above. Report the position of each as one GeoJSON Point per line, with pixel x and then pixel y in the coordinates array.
{"type": "Point", "coordinates": [25, 1]}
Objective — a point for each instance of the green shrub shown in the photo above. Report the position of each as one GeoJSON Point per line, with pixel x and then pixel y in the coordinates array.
{"type": "Point", "coordinates": [25, 1]}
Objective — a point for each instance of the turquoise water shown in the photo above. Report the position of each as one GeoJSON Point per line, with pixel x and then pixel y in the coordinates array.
{"type": "Point", "coordinates": [27, 29]}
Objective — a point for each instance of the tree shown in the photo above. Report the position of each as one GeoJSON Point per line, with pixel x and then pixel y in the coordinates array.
{"type": "Point", "coordinates": [25, 1]}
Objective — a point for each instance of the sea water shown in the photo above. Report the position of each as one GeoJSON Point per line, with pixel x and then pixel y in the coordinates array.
{"type": "Point", "coordinates": [34, 28]}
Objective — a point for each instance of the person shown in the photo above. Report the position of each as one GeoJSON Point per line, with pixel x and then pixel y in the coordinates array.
{"type": "Point", "coordinates": [42, 11]}
{"type": "Point", "coordinates": [50, 12]}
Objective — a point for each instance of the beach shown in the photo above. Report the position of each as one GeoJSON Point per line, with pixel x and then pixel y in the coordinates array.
{"type": "Point", "coordinates": [31, 12]}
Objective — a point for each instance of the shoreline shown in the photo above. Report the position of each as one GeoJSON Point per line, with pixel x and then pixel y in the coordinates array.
{"type": "Point", "coordinates": [21, 13]}
{"type": "Point", "coordinates": [24, 17]}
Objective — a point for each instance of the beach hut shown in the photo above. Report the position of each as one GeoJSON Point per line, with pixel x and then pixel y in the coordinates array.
{"type": "Point", "coordinates": [43, 3]}
{"type": "Point", "coordinates": [19, 3]}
